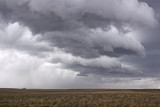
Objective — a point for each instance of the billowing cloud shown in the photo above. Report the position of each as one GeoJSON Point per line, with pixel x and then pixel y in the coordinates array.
{"type": "Point", "coordinates": [75, 9]}
{"type": "Point", "coordinates": [71, 39]}
{"type": "Point", "coordinates": [96, 42]}
{"type": "Point", "coordinates": [15, 36]}
{"type": "Point", "coordinates": [50, 15]}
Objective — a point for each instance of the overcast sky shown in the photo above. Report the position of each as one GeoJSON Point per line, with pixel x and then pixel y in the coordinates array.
{"type": "Point", "coordinates": [79, 44]}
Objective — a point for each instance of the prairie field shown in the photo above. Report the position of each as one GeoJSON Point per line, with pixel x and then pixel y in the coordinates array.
{"type": "Point", "coordinates": [79, 98]}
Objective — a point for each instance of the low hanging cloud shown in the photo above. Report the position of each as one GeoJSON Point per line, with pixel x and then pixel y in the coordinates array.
{"type": "Point", "coordinates": [104, 65]}
{"type": "Point", "coordinates": [83, 37]}
{"type": "Point", "coordinates": [90, 43]}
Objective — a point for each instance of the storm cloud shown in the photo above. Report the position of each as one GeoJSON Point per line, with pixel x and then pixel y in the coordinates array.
{"type": "Point", "coordinates": [83, 38]}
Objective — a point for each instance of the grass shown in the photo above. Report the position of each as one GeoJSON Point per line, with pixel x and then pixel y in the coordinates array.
{"type": "Point", "coordinates": [79, 98]}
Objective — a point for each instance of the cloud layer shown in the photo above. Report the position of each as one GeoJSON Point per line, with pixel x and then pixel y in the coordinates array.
{"type": "Point", "coordinates": [74, 38]}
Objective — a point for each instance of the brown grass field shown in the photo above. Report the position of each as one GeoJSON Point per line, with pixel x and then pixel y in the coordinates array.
{"type": "Point", "coordinates": [79, 98]}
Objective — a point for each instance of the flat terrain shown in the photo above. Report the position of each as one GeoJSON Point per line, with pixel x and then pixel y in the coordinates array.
{"type": "Point", "coordinates": [79, 98]}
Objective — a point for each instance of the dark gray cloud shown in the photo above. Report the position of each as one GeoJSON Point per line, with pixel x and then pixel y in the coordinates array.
{"type": "Point", "coordinates": [40, 16]}
{"type": "Point", "coordinates": [95, 42]}
{"type": "Point", "coordinates": [106, 72]}
{"type": "Point", "coordinates": [79, 37]}
{"type": "Point", "coordinates": [150, 63]}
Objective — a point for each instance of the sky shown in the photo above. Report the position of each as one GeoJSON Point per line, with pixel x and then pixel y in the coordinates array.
{"type": "Point", "coordinates": [76, 44]}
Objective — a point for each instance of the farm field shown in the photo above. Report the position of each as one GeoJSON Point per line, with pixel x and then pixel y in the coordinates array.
{"type": "Point", "coordinates": [79, 98]}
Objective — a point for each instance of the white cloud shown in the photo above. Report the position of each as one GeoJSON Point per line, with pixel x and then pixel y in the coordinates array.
{"type": "Point", "coordinates": [16, 68]}
{"type": "Point", "coordinates": [16, 36]}
{"type": "Point", "coordinates": [20, 70]}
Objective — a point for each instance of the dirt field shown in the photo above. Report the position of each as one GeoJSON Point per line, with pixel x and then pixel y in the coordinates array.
{"type": "Point", "coordinates": [79, 98]}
